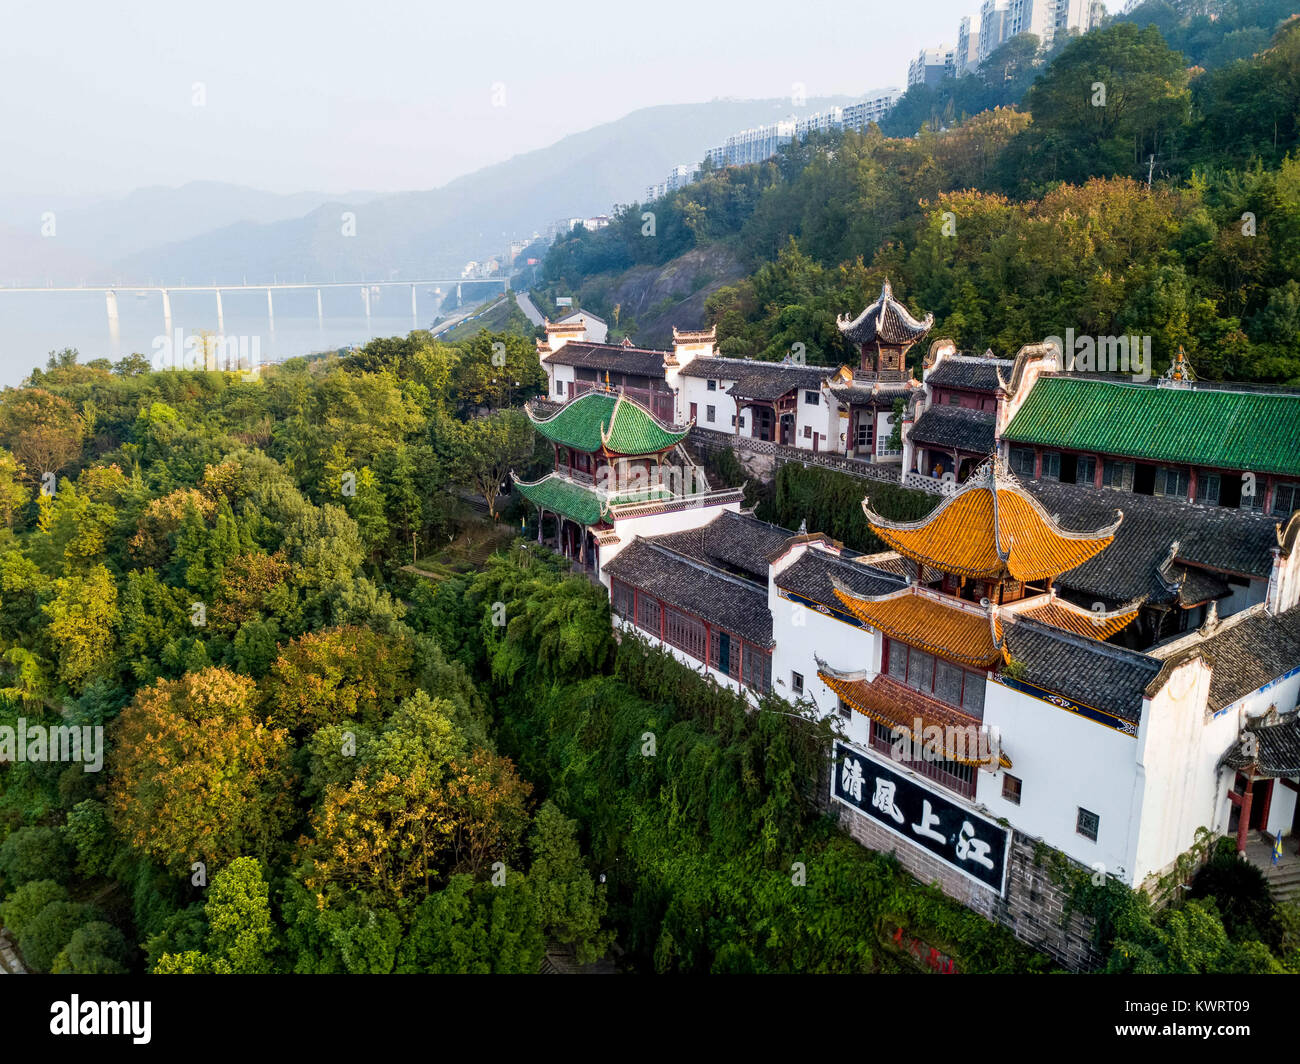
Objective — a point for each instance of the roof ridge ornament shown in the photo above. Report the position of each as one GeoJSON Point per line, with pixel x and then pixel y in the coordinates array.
{"type": "Point", "coordinates": [1180, 373]}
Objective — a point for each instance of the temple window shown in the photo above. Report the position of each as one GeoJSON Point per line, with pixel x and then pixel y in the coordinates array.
{"type": "Point", "coordinates": [1022, 461]}
{"type": "Point", "coordinates": [1286, 499]}
{"type": "Point", "coordinates": [649, 615]}
{"type": "Point", "coordinates": [1085, 470]}
{"type": "Point", "coordinates": [1051, 465]}
{"type": "Point", "coordinates": [1117, 475]}
{"type": "Point", "coordinates": [685, 632]}
{"type": "Point", "coordinates": [622, 598]}
{"type": "Point", "coordinates": [1011, 786]}
{"type": "Point", "coordinates": [1173, 482]}
{"type": "Point", "coordinates": [935, 677]}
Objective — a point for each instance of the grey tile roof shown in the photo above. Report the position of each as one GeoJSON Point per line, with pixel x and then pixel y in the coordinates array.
{"type": "Point", "coordinates": [757, 379]}
{"type": "Point", "coordinates": [904, 568]}
{"type": "Point", "coordinates": [1277, 751]}
{"type": "Point", "coordinates": [861, 392]}
{"type": "Point", "coordinates": [886, 321]}
{"type": "Point", "coordinates": [731, 369]}
{"type": "Point", "coordinates": [1251, 653]}
{"type": "Point", "coordinates": [639, 360]}
{"type": "Point", "coordinates": [955, 426]}
{"type": "Point", "coordinates": [1097, 674]}
{"type": "Point", "coordinates": [1215, 538]}
{"type": "Point", "coordinates": [733, 542]}
{"type": "Point", "coordinates": [970, 374]}
{"type": "Point", "coordinates": [1198, 585]}
{"type": "Point", "coordinates": [730, 602]}
{"type": "Point", "coordinates": [810, 577]}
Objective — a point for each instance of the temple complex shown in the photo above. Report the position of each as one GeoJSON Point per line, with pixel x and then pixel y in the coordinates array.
{"type": "Point", "coordinates": [1090, 646]}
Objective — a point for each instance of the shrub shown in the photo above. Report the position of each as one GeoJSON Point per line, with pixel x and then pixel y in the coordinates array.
{"type": "Point", "coordinates": [51, 930]}
{"type": "Point", "coordinates": [96, 948]}
{"type": "Point", "coordinates": [35, 853]}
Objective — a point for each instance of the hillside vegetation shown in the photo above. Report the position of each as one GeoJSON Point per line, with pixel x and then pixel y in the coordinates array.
{"type": "Point", "coordinates": [1017, 224]}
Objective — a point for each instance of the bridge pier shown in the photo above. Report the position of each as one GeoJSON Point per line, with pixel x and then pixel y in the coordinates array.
{"type": "Point", "coordinates": [365, 298]}
{"type": "Point", "coordinates": [458, 294]}
{"type": "Point", "coordinates": [114, 323]}
{"type": "Point", "coordinates": [221, 317]}
{"type": "Point", "coordinates": [270, 310]}
{"type": "Point", "coordinates": [415, 314]}
{"type": "Point", "coordinates": [167, 313]}
{"type": "Point", "coordinates": [320, 312]}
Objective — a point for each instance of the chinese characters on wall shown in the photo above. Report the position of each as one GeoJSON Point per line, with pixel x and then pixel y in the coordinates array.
{"type": "Point", "coordinates": [957, 836]}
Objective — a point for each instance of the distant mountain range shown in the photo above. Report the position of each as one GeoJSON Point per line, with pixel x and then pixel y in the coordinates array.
{"type": "Point", "coordinates": [207, 231]}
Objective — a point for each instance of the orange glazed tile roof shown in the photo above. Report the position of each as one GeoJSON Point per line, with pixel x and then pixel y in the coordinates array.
{"type": "Point", "coordinates": [932, 622]}
{"type": "Point", "coordinates": [992, 529]}
{"type": "Point", "coordinates": [1091, 624]}
{"type": "Point", "coordinates": [896, 705]}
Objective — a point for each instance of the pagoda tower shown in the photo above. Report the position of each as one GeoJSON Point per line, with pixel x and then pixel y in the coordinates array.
{"type": "Point", "coordinates": [884, 333]}
{"type": "Point", "coordinates": [985, 556]}
{"type": "Point", "coordinates": [611, 463]}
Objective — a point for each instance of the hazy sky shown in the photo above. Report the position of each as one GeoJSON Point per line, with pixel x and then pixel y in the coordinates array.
{"type": "Point", "coordinates": [98, 98]}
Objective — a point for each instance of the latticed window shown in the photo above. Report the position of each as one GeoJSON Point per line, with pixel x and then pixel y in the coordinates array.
{"type": "Point", "coordinates": [621, 599]}
{"type": "Point", "coordinates": [1286, 499]}
{"type": "Point", "coordinates": [685, 632]}
{"type": "Point", "coordinates": [724, 653]}
{"type": "Point", "coordinates": [1118, 475]}
{"type": "Point", "coordinates": [1022, 461]}
{"type": "Point", "coordinates": [947, 682]}
{"type": "Point", "coordinates": [648, 614]}
{"type": "Point", "coordinates": [920, 669]}
{"type": "Point", "coordinates": [758, 669]}
{"type": "Point", "coordinates": [1173, 482]}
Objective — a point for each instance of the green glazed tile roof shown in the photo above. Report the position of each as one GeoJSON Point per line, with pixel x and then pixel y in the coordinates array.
{"type": "Point", "coordinates": [578, 502]}
{"type": "Point", "coordinates": [564, 497]}
{"type": "Point", "coordinates": [1256, 431]}
{"type": "Point", "coordinates": [614, 422]}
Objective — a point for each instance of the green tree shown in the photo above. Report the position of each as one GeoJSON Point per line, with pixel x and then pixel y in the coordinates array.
{"type": "Point", "coordinates": [82, 624]}
{"type": "Point", "coordinates": [96, 948]}
{"type": "Point", "coordinates": [481, 452]}
{"type": "Point", "coordinates": [196, 774]}
{"type": "Point", "coordinates": [1110, 99]}
{"type": "Point", "coordinates": [570, 905]}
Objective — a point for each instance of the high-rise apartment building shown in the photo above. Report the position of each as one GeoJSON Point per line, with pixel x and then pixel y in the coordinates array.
{"type": "Point", "coordinates": [931, 66]}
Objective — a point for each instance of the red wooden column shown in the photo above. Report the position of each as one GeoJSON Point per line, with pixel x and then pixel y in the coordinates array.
{"type": "Point", "coordinates": [1243, 821]}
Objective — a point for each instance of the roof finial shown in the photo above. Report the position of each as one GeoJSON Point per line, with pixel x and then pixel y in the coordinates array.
{"type": "Point", "coordinates": [1180, 370]}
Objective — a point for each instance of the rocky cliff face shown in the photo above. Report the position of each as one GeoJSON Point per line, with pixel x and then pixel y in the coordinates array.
{"type": "Point", "coordinates": [656, 298]}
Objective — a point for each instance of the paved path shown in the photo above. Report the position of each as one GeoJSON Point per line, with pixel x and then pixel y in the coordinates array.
{"type": "Point", "coordinates": [9, 962]}
{"type": "Point", "coordinates": [529, 308]}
